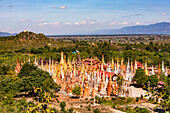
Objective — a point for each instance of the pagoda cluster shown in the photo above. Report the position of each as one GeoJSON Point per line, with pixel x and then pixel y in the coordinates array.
{"type": "Point", "coordinates": [93, 76]}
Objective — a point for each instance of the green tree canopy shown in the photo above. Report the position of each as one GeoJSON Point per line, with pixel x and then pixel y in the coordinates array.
{"type": "Point", "coordinates": [153, 80]}
{"type": "Point", "coordinates": [140, 77]}
{"type": "Point", "coordinates": [32, 77]}
{"type": "Point", "coordinates": [76, 90]}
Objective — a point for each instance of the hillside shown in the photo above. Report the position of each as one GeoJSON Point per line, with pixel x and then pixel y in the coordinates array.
{"type": "Point", "coordinates": [158, 28]}
{"type": "Point", "coordinates": [29, 40]}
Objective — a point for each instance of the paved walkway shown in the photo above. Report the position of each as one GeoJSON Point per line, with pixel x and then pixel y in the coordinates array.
{"type": "Point", "coordinates": [136, 92]}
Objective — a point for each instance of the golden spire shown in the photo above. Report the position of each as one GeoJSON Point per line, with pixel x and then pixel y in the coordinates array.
{"type": "Point", "coordinates": [103, 58]}
{"type": "Point", "coordinates": [159, 69]}
{"type": "Point", "coordinates": [131, 65]}
{"type": "Point", "coordinates": [135, 67]}
{"type": "Point", "coordinates": [146, 68]}
{"type": "Point", "coordinates": [62, 60]}
{"type": "Point", "coordinates": [112, 64]}
{"type": "Point", "coordinates": [117, 63]}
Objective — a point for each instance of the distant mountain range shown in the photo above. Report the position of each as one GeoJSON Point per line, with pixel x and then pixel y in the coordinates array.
{"type": "Point", "coordinates": [6, 34]}
{"type": "Point", "coordinates": [158, 28]}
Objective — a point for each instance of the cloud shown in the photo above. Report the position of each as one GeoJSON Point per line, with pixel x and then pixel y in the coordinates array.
{"type": "Point", "coordinates": [125, 23]}
{"type": "Point", "coordinates": [10, 6]}
{"type": "Point", "coordinates": [61, 7]}
{"type": "Point", "coordinates": [42, 24]}
{"type": "Point", "coordinates": [41, 20]}
{"type": "Point", "coordinates": [164, 13]}
{"type": "Point", "coordinates": [85, 21]}
{"type": "Point", "coordinates": [119, 23]}
{"type": "Point", "coordinates": [67, 23]}
{"type": "Point", "coordinates": [92, 22]}
{"type": "Point", "coordinates": [138, 14]}
{"type": "Point", "coordinates": [76, 23]}
{"type": "Point", "coordinates": [113, 23]}
{"type": "Point", "coordinates": [46, 23]}
{"type": "Point", "coordinates": [138, 23]}
{"type": "Point", "coordinates": [23, 20]}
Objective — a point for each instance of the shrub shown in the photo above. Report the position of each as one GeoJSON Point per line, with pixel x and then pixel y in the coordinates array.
{"type": "Point", "coordinates": [96, 111]}
{"type": "Point", "coordinates": [113, 106]}
{"type": "Point", "coordinates": [57, 100]}
{"type": "Point", "coordinates": [122, 98]}
{"type": "Point", "coordinates": [71, 110]}
{"type": "Point", "coordinates": [86, 98]}
{"type": "Point", "coordinates": [137, 99]}
{"type": "Point", "coordinates": [63, 105]}
{"type": "Point", "coordinates": [141, 110]}
{"type": "Point", "coordinates": [129, 99]}
{"type": "Point", "coordinates": [113, 99]}
{"type": "Point", "coordinates": [92, 99]}
{"type": "Point", "coordinates": [88, 108]}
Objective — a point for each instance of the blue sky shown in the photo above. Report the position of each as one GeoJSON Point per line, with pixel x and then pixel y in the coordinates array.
{"type": "Point", "coordinates": [79, 16]}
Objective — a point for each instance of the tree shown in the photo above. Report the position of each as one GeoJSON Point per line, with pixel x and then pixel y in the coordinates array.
{"type": "Point", "coordinates": [96, 111]}
{"type": "Point", "coordinates": [153, 80]}
{"type": "Point", "coordinates": [32, 77]}
{"type": "Point", "coordinates": [119, 80]}
{"type": "Point", "coordinates": [76, 90]}
{"type": "Point", "coordinates": [63, 105]}
{"type": "Point", "coordinates": [140, 77]}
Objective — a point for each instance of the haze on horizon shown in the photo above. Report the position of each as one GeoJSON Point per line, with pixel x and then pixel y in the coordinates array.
{"type": "Point", "coordinates": [70, 16]}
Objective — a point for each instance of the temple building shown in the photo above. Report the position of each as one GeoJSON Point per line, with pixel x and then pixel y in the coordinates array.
{"type": "Point", "coordinates": [94, 77]}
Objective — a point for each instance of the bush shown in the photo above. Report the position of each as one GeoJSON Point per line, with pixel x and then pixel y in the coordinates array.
{"type": "Point", "coordinates": [63, 105]}
{"type": "Point", "coordinates": [113, 106]}
{"type": "Point", "coordinates": [137, 99]}
{"type": "Point", "coordinates": [129, 99]}
{"type": "Point", "coordinates": [96, 111]}
{"type": "Point", "coordinates": [141, 110]}
{"type": "Point", "coordinates": [88, 108]}
{"type": "Point", "coordinates": [86, 98]}
{"type": "Point", "coordinates": [71, 110]}
{"type": "Point", "coordinates": [57, 100]}
{"type": "Point", "coordinates": [122, 98]}
{"type": "Point", "coordinates": [92, 99]}
{"type": "Point", "coordinates": [113, 99]}
{"type": "Point", "coordinates": [76, 90]}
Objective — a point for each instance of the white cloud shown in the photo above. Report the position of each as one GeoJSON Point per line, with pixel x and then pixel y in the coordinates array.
{"type": "Point", "coordinates": [61, 7]}
{"type": "Point", "coordinates": [164, 13]}
{"type": "Point", "coordinates": [113, 23]}
{"type": "Point", "coordinates": [46, 23]}
{"type": "Point", "coordinates": [55, 23]}
{"type": "Point", "coordinates": [67, 23]}
{"type": "Point", "coordinates": [43, 24]}
{"type": "Point", "coordinates": [138, 23]}
{"type": "Point", "coordinates": [119, 23]}
{"type": "Point", "coordinates": [88, 18]}
{"type": "Point", "coordinates": [92, 22]}
{"type": "Point", "coordinates": [23, 20]}
{"type": "Point", "coordinates": [125, 23]}
{"type": "Point", "coordinates": [76, 23]}
{"type": "Point", "coordinates": [83, 22]}
{"type": "Point", "coordinates": [41, 20]}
